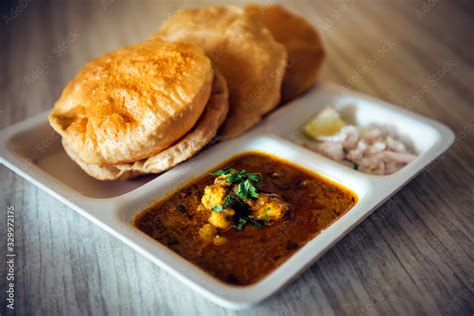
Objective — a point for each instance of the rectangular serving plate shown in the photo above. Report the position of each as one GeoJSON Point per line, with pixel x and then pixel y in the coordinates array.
{"type": "Point", "coordinates": [32, 149]}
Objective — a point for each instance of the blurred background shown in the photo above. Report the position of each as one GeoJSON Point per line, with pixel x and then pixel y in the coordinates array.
{"type": "Point", "coordinates": [398, 43]}
{"type": "Point", "coordinates": [417, 54]}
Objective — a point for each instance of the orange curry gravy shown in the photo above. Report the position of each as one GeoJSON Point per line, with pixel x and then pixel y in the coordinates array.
{"type": "Point", "coordinates": [251, 253]}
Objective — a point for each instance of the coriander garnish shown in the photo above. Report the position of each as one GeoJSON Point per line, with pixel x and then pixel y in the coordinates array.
{"type": "Point", "coordinates": [244, 220]}
{"type": "Point", "coordinates": [266, 217]}
{"type": "Point", "coordinates": [355, 165]}
{"type": "Point", "coordinates": [246, 190]}
{"type": "Point", "coordinates": [237, 176]}
{"type": "Point", "coordinates": [243, 190]}
{"type": "Point", "coordinates": [220, 172]}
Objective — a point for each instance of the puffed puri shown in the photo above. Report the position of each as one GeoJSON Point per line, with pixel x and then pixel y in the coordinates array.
{"type": "Point", "coordinates": [132, 103]}
{"type": "Point", "coordinates": [188, 146]}
{"type": "Point", "coordinates": [251, 60]}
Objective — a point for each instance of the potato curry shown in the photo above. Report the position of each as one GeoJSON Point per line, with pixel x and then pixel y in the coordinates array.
{"type": "Point", "coordinates": [240, 222]}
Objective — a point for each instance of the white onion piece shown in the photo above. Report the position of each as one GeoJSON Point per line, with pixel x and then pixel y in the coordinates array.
{"type": "Point", "coordinates": [332, 150]}
{"type": "Point", "coordinates": [372, 150]}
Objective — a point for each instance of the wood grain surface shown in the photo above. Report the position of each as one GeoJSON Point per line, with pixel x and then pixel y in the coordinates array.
{"type": "Point", "coordinates": [414, 255]}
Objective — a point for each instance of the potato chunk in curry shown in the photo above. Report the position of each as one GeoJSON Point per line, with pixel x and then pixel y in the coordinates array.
{"type": "Point", "coordinates": [214, 194]}
{"type": "Point", "coordinates": [268, 207]}
{"type": "Point", "coordinates": [236, 188]}
{"type": "Point", "coordinates": [222, 220]}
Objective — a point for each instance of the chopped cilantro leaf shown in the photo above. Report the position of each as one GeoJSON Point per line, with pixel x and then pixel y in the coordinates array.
{"type": "Point", "coordinates": [355, 165]}
{"type": "Point", "coordinates": [266, 217]}
{"type": "Point", "coordinates": [256, 223]}
{"type": "Point", "coordinates": [218, 209]}
{"type": "Point", "coordinates": [244, 220]}
{"type": "Point", "coordinates": [228, 201]}
{"type": "Point", "coordinates": [242, 175]}
{"type": "Point", "coordinates": [246, 190]}
{"type": "Point", "coordinates": [252, 190]}
{"type": "Point", "coordinates": [221, 172]}
{"type": "Point", "coordinates": [230, 198]}
{"type": "Point", "coordinates": [235, 177]}
{"type": "Point", "coordinates": [241, 223]}
{"type": "Point", "coordinates": [255, 177]}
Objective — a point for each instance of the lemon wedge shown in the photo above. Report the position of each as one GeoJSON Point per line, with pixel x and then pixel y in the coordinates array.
{"type": "Point", "coordinates": [328, 122]}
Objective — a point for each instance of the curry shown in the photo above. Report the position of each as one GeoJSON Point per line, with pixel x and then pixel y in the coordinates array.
{"type": "Point", "coordinates": [242, 221]}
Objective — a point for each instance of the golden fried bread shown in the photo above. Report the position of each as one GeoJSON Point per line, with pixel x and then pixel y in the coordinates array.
{"type": "Point", "coordinates": [301, 40]}
{"type": "Point", "coordinates": [132, 103]}
{"type": "Point", "coordinates": [205, 129]}
{"type": "Point", "coordinates": [252, 62]}
{"type": "Point", "coordinates": [253, 66]}
{"type": "Point", "coordinates": [205, 26]}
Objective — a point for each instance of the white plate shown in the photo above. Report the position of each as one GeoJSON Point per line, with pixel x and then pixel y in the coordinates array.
{"type": "Point", "coordinates": [33, 150]}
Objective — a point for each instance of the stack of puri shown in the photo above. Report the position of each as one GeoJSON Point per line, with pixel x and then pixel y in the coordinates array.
{"type": "Point", "coordinates": [207, 73]}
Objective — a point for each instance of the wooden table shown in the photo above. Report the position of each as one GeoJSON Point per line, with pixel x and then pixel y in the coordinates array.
{"type": "Point", "coordinates": [415, 255]}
